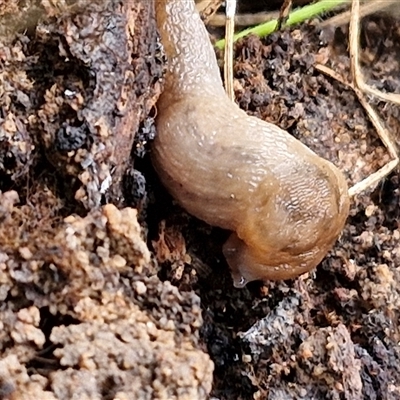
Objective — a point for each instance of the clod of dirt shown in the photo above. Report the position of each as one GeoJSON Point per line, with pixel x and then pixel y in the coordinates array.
{"type": "Point", "coordinates": [79, 91]}
{"type": "Point", "coordinates": [128, 333]}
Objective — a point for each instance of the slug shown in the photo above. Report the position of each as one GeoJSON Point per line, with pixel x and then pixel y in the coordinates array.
{"type": "Point", "coordinates": [285, 205]}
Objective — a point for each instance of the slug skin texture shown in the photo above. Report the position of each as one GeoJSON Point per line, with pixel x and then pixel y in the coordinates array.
{"type": "Point", "coordinates": [285, 205]}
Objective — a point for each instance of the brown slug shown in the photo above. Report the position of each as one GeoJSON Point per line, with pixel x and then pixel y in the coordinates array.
{"type": "Point", "coordinates": [285, 205]}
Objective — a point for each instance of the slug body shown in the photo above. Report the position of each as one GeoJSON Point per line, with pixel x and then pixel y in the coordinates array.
{"type": "Point", "coordinates": [285, 205]}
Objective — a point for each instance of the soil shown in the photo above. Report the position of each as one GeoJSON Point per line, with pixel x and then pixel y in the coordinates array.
{"type": "Point", "coordinates": [109, 290]}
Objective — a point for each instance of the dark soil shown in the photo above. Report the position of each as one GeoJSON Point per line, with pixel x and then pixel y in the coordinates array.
{"type": "Point", "coordinates": [109, 290]}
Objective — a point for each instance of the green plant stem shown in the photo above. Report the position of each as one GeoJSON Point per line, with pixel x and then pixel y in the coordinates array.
{"type": "Point", "coordinates": [295, 17]}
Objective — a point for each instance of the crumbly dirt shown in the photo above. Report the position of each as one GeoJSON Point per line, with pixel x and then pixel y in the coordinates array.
{"type": "Point", "coordinates": [109, 290]}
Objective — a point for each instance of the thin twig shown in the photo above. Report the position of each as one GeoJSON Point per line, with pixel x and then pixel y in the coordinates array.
{"type": "Point", "coordinates": [284, 13]}
{"type": "Point", "coordinates": [358, 85]}
{"type": "Point", "coordinates": [208, 8]}
{"type": "Point", "coordinates": [371, 7]}
{"type": "Point", "coordinates": [359, 88]}
{"type": "Point", "coordinates": [358, 79]}
{"type": "Point", "coordinates": [246, 20]}
{"type": "Point", "coordinates": [228, 56]}
{"type": "Point", "coordinates": [295, 17]}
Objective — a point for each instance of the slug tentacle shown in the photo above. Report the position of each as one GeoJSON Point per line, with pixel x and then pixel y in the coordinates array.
{"type": "Point", "coordinates": [285, 205]}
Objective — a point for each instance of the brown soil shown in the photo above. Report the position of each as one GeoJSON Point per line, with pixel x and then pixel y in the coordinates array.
{"type": "Point", "coordinates": [109, 290]}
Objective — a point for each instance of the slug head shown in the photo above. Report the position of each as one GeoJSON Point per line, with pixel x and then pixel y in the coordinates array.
{"type": "Point", "coordinates": [248, 264]}
{"type": "Point", "coordinates": [289, 232]}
